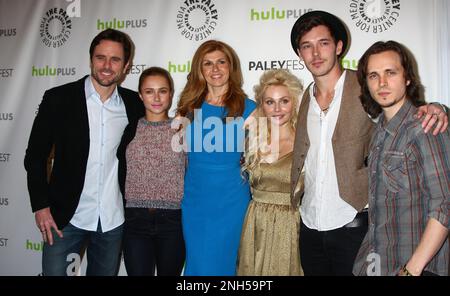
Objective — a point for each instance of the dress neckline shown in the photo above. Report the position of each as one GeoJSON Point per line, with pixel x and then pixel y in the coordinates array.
{"type": "Point", "coordinates": [279, 158]}
{"type": "Point", "coordinates": [213, 105]}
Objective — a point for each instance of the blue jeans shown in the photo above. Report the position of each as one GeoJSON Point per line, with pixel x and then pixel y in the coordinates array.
{"type": "Point", "coordinates": [103, 252]}
{"type": "Point", "coordinates": [153, 238]}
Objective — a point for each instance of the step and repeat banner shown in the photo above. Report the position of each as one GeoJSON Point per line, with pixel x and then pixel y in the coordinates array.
{"type": "Point", "coordinates": [46, 43]}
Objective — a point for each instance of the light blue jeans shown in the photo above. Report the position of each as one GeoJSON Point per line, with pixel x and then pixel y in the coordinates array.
{"type": "Point", "coordinates": [103, 252]}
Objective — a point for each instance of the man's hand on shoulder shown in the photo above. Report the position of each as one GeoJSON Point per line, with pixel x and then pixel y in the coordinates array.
{"type": "Point", "coordinates": [433, 114]}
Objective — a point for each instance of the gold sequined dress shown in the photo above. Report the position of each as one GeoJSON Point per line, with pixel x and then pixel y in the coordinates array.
{"type": "Point", "coordinates": [269, 240]}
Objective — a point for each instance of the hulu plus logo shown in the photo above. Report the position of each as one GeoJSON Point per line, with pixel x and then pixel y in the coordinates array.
{"type": "Point", "coordinates": [4, 201]}
{"type": "Point", "coordinates": [350, 64]}
{"type": "Point", "coordinates": [179, 68]}
{"type": "Point", "coordinates": [52, 71]}
{"type": "Point", "coordinates": [33, 246]}
{"type": "Point", "coordinates": [277, 14]}
{"type": "Point", "coordinates": [121, 24]}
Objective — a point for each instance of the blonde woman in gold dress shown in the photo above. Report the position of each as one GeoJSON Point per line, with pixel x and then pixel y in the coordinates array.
{"type": "Point", "coordinates": [269, 241]}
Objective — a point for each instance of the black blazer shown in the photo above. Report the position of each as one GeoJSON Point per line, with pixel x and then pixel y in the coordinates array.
{"type": "Point", "coordinates": [128, 135]}
{"type": "Point", "coordinates": [62, 121]}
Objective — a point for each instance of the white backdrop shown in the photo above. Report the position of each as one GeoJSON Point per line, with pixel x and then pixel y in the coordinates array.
{"type": "Point", "coordinates": [45, 43]}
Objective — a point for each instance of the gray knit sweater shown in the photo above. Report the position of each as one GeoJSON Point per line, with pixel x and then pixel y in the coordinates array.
{"type": "Point", "coordinates": [155, 173]}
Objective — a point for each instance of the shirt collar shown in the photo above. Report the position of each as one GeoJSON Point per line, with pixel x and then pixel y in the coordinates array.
{"type": "Point", "coordinates": [338, 91]}
{"type": "Point", "coordinates": [394, 124]}
{"type": "Point", "coordinates": [92, 93]}
{"type": "Point", "coordinates": [337, 88]}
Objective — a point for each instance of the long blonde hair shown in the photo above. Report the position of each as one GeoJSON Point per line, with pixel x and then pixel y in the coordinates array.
{"type": "Point", "coordinates": [254, 147]}
{"type": "Point", "coordinates": [196, 88]}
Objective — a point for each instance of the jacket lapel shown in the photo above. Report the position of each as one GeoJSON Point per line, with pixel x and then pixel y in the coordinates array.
{"type": "Point", "coordinates": [347, 109]}
{"type": "Point", "coordinates": [301, 146]}
{"type": "Point", "coordinates": [80, 107]}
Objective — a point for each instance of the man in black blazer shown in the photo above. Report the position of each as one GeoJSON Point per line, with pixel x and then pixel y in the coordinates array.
{"type": "Point", "coordinates": [84, 122]}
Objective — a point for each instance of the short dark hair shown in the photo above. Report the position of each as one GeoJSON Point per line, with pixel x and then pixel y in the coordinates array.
{"type": "Point", "coordinates": [414, 90]}
{"type": "Point", "coordinates": [113, 35]}
{"type": "Point", "coordinates": [156, 71]}
{"type": "Point", "coordinates": [315, 18]}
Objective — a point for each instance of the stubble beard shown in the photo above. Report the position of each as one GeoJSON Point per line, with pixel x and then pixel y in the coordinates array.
{"type": "Point", "coordinates": [105, 82]}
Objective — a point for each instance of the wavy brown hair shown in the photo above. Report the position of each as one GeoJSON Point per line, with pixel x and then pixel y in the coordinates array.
{"type": "Point", "coordinates": [414, 91]}
{"type": "Point", "coordinates": [195, 90]}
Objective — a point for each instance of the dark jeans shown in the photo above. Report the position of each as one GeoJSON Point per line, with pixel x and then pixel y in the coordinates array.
{"type": "Point", "coordinates": [103, 252]}
{"type": "Point", "coordinates": [330, 252]}
{"type": "Point", "coordinates": [153, 238]}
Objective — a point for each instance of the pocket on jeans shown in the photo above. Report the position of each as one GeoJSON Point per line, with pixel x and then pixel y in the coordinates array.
{"type": "Point", "coordinates": [173, 216]}
{"type": "Point", "coordinates": [132, 214]}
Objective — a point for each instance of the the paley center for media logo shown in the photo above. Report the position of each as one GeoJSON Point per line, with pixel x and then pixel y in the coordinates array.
{"type": "Point", "coordinates": [197, 19]}
{"type": "Point", "coordinates": [375, 16]}
{"type": "Point", "coordinates": [55, 27]}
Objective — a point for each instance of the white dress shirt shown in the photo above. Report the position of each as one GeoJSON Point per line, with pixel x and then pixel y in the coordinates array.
{"type": "Point", "coordinates": [101, 196]}
{"type": "Point", "coordinates": [322, 207]}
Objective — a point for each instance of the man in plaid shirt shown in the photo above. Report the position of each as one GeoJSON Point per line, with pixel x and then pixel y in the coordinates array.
{"type": "Point", "coordinates": [409, 172]}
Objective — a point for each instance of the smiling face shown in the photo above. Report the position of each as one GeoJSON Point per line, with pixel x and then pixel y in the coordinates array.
{"type": "Point", "coordinates": [107, 63]}
{"type": "Point", "coordinates": [156, 94]}
{"type": "Point", "coordinates": [319, 51]}
{"type": "Point", "coordinates": [277, 104]}
{"type": "Point", "coordinates": [216, 69]}
{"type": "Point", "coordinates": [386, 81]}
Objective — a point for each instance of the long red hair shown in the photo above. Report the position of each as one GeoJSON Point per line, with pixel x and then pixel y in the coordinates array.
{"type": "Point", "coordinates": [196, 88]}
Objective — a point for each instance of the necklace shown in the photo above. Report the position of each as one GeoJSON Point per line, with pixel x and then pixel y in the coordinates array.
{"type": "Point", "coordinates": [324, 109]}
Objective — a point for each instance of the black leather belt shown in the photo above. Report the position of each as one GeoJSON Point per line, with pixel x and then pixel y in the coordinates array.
{"type": "Point", "coordinates": [361, 219]}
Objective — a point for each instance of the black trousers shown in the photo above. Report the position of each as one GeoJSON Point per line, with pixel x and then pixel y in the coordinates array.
{"type": "Point", "coordinates": [332, 252]}
{"type": "Point", "coordinates": [153, 238]}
